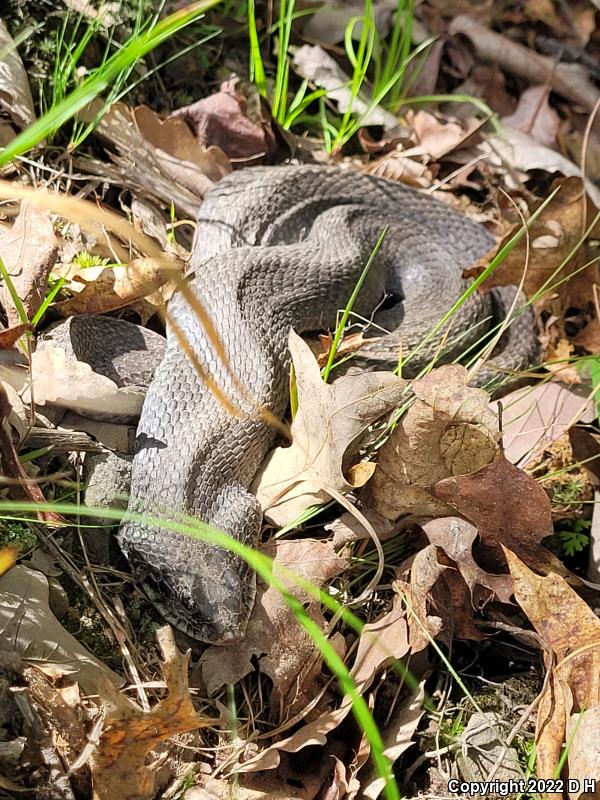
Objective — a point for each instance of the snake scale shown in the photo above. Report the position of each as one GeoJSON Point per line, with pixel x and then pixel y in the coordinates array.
{"type": "Point", "coordinates": [281, 247]}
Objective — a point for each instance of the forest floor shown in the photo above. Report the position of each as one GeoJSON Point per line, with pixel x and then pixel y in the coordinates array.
{"type": "Point", "coordinates": [439, 638]}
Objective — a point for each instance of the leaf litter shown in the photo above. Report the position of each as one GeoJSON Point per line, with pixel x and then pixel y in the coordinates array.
{"type": "Point", "coordinates": [477, 521]}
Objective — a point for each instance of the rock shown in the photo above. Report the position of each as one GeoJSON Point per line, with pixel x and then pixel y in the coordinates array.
{"type": "Point", "coordinates": [482, 746]}
{"type": "Point", "coordinates": [107, 478]}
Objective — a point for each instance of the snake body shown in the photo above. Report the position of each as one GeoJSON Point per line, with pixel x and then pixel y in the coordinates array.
{"type": "Point", "coordinates": [279, 247]}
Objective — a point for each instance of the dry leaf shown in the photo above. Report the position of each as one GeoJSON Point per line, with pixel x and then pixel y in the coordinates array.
{"type": "Point", "coordinates": [61, 719]}
{"type": "Point", "coordinates": [425, 570]}
{"type": "Point", "coordinates": [118, 761]}
{"type": "Point", "coordinates": [15, 94]}
{"type": "Point", "coordinates": [284, 650]}
{"type": "Point", "coordinates": [440, 602]}
{"type": "Point", "coordinates": [107, 288]}
{"type": "Point", "coordinates": [28, 252]}
{"type": "Point", "coordinates": [436, 138]}
{"type": "Point", "coordinates": [330, 420]}
{"type": "Point", "coordinates": [535, 116]}
{"type": "Point", "coordinates": [28, 627]}
{"type": "Point", "coordinates": [506, 505]}
{"type": "Point", "coordinates": [448, 430]}
{"type": "Point", "coordinates": [158, 159]}
{"type": "Point", "coordinates": [557, 360]}
{"type": "Point", "coordinates": [535, 416]}
{"type": "Point", "coordinates": [586, 450]}
{"type": "Point", "coordinates": [19, 414]}
{"type": "Point", "coordinates": [293, 781]}
{"type": "Point", "coordinates": [553, 236]}
{"type": "Point", "coordinates": [544, 11]}
{"type": "Point", "coordinates": [328, 24]}
{"type": "Point", "coordinates": [220, 120]}
{"type": "Point", "coordinates": [397, 166]}
{"type": "Point", "coordinates": [398, 736]}
{"type": "Point", "coordinates": [456, 537]}
{"type": "Point", "coordinates": [59, 380]}
{"type": "Point", "coordinates": [485, 81]}
{"type": "Point", "coordinates": [10, 336]}
{"type": "Point", "coordinates": [571, 630]}
{"type": "Point", "coordinates": [349, 344]}
{"type": "Point", "coordinates": [520, 151]}
{"type": "Point", "coordinates": [589, 338]}
{"type": "Point", "coordinates": [314, 64]}
{"type": "Point", "coordinates": [348, 528]}
{"type": "Point", "coordinates": [174, 137]}
{"type": "Point", "coordinates": [384, 641]}
{"type": "Point", "coordinates": [381, 642]}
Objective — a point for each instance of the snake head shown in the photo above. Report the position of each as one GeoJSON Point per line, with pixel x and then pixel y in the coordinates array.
{"type": "Point", "coordinates": [206, 592]}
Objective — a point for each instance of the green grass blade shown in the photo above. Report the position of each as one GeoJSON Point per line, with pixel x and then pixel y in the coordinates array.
{"type": "Point", "coordinates": [47, 301]}
{"type": "Point", "coordinates": [13, 293]}
{"type": "Point", "coordinates": [134, 49]}
{"type": "Point", "coordinates": [257, 70]}
{"type": "Point", "coordinates": [339, 332]}
{"type": "Point", "coordinates": [264, 567]}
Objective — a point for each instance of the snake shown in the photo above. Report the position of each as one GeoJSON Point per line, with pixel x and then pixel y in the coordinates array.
{"type": "Point", "coordinates": [277, 248]}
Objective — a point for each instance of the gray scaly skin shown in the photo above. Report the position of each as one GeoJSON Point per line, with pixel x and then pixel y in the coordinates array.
{"type": "Point", "coordinates": [278, 248]}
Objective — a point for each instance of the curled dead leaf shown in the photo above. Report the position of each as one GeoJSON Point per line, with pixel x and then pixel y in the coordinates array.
{"type": "Point", "coordinates": [316, 65]}
{"type": "Point", "coordinates": [28, 627]}
{"type": "Point", "coordinates": [106, 288]}
{"type": "Point", "coordinates": [330, 421]}
{"type": "Point", "coordinates": [380, 643]}
{"type": "Point", "coordinates": [570, 630]}
{"type": "Point", "coordinates": [456, 537]}
{"type": "Point", "coordinates": [28, 252]}
{"type": "Point", "coordinates": [10, 336]}
{"type": "Point", "coordinates": [158, 159]}
{"type": "Point", "coordinates": [449, 430]}
{"type": "Point", "coordinates": [435, 137]}
{"type": "Point", "coordinates": [15, 94]}
{"type": "Point", "coordinates": [59, 380]}
{"type": "Point", "coordinates": [535, 116]}
{"type": "Point", "coordinates": [553, 236]}
{"type": "Point", "coordinates": [118, 761]}
{"type": "Point", "coordinates": [519, 151]}
{"type": "Point", "coordinates": [507, 506]}
{"type": "Point", "coordinates": [220, 121]}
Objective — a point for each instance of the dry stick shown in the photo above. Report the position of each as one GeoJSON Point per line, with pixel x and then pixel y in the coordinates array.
{"type": "Point", "coordinates": [570, 80]}
{"type": "Point", "coordinates": [584, 151]}
{"type": "Point", "coordinates": [12, 468]}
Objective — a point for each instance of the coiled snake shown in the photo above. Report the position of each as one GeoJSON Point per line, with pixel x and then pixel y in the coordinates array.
{"type": "Point", "coordinates": [281, 247]}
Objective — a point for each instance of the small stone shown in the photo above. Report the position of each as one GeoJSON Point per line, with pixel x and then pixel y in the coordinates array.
{"type": "Point", "coordinates": [482, 746]}
{"type": "Point", "coordinates": [107, 478]}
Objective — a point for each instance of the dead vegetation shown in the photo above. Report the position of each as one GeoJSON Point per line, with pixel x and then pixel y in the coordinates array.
{"type": "Point", "coordinates": [458, 535]}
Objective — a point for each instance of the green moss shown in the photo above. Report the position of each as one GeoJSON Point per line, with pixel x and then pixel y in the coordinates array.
{"type": "Point", "coordinates": [17, 535]}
